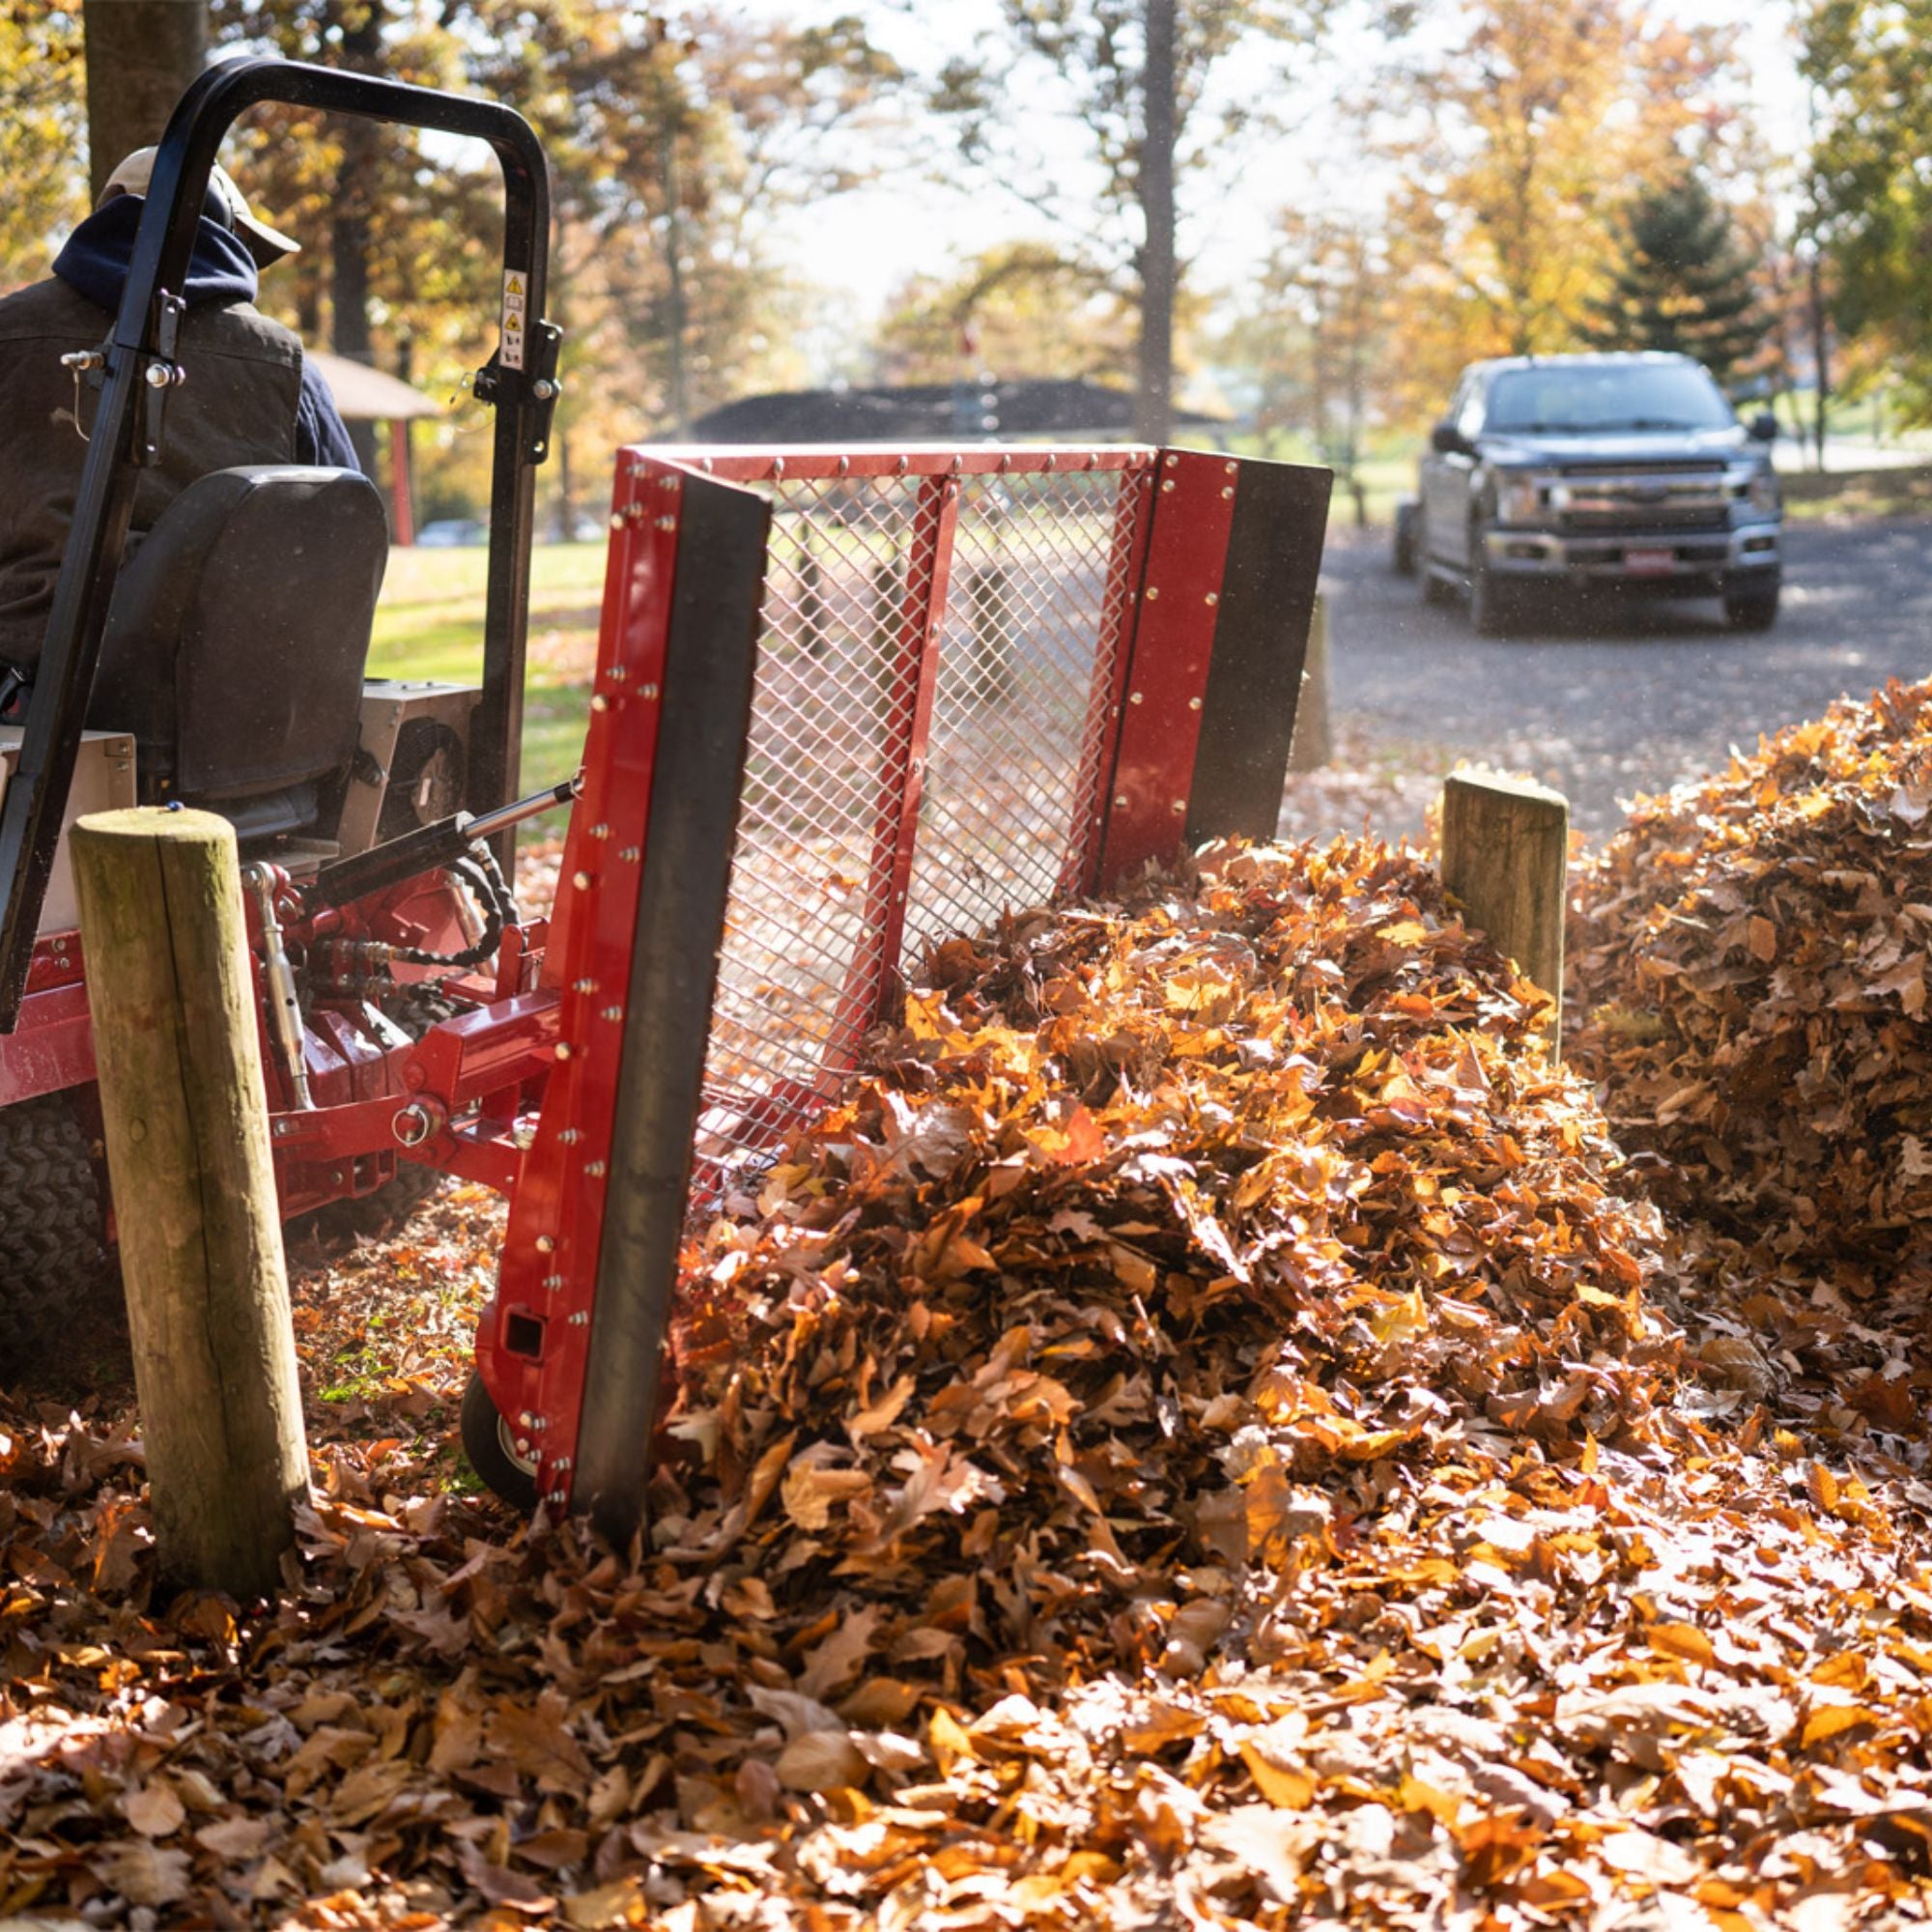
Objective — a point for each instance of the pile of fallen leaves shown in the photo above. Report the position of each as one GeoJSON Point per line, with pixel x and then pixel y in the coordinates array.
{"type": "Point", "coordinates": [1748, 971]}
{"type": "Point", "coordinates": [1188, 1441]}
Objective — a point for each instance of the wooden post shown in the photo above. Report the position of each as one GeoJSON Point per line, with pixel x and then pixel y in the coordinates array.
{"type": "Point", "coordinates": [1506, 856]}
{"type": "Point", "coordinates": [176, 1043]}
{"type": "Point", "coordinates": [1313, 745]}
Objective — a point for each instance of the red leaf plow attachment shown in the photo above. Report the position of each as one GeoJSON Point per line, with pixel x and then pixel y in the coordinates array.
{"type": "Point", "coordinates": [848, 705]}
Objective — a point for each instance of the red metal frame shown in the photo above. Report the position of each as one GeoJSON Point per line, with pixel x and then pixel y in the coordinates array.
{"type": "Point", "coordinates": [1173, 646]}
{"type": "Point", "coordinates": [530, 1344]}
{"type": "Point", "coordinates": [519, 1089]}
{"type": "Point", "coordinates": [923, 613]}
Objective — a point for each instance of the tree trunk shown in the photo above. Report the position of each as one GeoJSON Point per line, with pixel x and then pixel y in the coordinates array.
{"type": "Point", "coordinates": [1154, 415]}
{"type": "Point", "coordinates": [1821, 349]}
{"type": "Point", "coordinates": [141, 55]}
{"type": "Point", "coordinates": [351, 238]}
{"type": "Point", "coordinates": [678, 397]}
{"type": "Point", "coordinates": [187, 1126]}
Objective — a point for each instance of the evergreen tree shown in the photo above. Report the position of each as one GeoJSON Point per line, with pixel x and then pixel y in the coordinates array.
{"type": "Point", "coordinates": [1686, 283]}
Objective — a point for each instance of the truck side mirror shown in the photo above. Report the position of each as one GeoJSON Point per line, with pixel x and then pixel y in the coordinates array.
{"type": "Point", "coordinates": [1446, 439]}
{"type": "Point", "coordinates": [1764, 427]}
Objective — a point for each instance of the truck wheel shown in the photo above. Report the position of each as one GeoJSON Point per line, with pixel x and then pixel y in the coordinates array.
{"type": "Point", "coordinates": [1403, 560]}
{"type": "Point", "coordinates": [1755, 610]}
{"type": "Point", "coordinates": [1435, 590]}
{"type": "Point", "coordinates": [1490, 608]}
{"type": "Point", "coordinates": [51, 1222]}
{"type": "Point", "coordinates": [492, 1449]}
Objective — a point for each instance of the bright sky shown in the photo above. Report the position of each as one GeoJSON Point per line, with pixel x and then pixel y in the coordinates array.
{"type": "Point", "coordinates": [864, 244]}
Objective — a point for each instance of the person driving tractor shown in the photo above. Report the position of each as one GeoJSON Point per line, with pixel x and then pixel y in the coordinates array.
{"type": "Point", "coordinates": [248, 395]}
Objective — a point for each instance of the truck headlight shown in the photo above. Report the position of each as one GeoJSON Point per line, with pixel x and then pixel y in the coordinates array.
{"type": "Point", "coordinates": [1520, 499]}
{"type": "Point", "coordinates": [1764, 493]}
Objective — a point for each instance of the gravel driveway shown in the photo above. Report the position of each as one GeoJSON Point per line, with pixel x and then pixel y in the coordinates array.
{"type": "Point", "coordinates": [1627, 698]}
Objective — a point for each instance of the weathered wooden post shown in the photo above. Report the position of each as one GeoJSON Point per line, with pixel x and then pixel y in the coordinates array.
{"type": "Point", "coordinates": [186, 1128]}
{"type": "Point", "coordinates": [1506, 856]}
{"type": "Point", "coordinates": [1313, 744]}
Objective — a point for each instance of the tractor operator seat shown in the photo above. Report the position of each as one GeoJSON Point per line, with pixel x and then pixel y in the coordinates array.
{"type": "Point", "coordinates": [237, 638]}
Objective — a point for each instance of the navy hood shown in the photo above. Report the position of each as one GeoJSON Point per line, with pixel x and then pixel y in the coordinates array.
{"type": "Point", "coordinates": [94, 261]}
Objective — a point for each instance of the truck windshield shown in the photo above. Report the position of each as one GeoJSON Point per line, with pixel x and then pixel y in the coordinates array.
{"type": "Point", "coordinates": [1626, 395]}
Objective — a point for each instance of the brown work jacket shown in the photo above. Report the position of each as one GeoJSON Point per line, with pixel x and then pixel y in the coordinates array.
{"type": "Point", "coordinates": [236, 406]}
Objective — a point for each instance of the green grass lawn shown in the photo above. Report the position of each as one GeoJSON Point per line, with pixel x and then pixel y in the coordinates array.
{"type": "Point", "coordinates": [430, 624]}
{"type": "Point", "coordinates": [1858, 492]}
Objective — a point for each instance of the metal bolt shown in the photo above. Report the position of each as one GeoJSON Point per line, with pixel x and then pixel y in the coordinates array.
{"type": "Point", "coordinates": [1194, 704]}
{"type": "Point", "coordinates": [650, 690]}
{"type": "Point", "coordinates": [631, 854]}
{"type": "Point", "coordinates": [541, 1424]}
{"type": "Point", "coordinates": [600, 832]}
{"type": "Point", "coordinates": [613, 1012]}
{"type": "Point", "coordinates": [584, 985]}
{"type": "Point", "coordinates": [1134, 697]}
{"type": "Point", "coordinates": [545, 1244]}
{"type": "Point", "coordinates": [523, 1419]}
{"type": "Point", "coordinates": [1227, 489]}
{"type": "Point", "coordinates": [570, 1136]}
{"type": "Point", "coordinates": [1166, 485]}
{"type": "Point", "coordinates": [580, 880]}
{"type": "Point", "coordinates": [561, 1463]}
{"type": "Point", "coordinates": [600, 703]}
{"type": "Point", "coordinates": [159, 375]}
{"type": "Point", "coordinates": [523, 1445]}
{"type": "Point", "coordinates": [581, 1320]}
{"type": "Point", "coordinates": [552, 1281]}
{"type": "Point", "coordinates": [619, 672]}
{"type": "Point", "coordinates": [1120, 803]}
{"type": "Point", "coordinates": [563, 1049]}
{"type": "Point", "coordinates": [1171, 461]}
{"type": "Point", "coordinates": [616, 520]}
{"type": "Point", "coordinates": [666, 523]}
{"type": "Point", "coordinates": [1213, 598]}
{"type": "Point", "coordinates": [596, 1170]}
{"type": "Point", "coordinates": [1231, 467]}
{"type": "Point", "coordinates": [543, 388]}
{"type": "Point", "coordinates": [1180, 804]}
{"type": "Point", "coordinates": [1152, 593]}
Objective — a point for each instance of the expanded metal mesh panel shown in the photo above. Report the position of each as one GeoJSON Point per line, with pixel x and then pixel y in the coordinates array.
{"type": "Point", "coordinates": [1022, 708]}
{"type": "Point", "coordinates": [996, 701]}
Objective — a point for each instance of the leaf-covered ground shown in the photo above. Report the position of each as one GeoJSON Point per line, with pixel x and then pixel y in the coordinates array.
{"type": "Point", "coordinates": [1211, 1432]}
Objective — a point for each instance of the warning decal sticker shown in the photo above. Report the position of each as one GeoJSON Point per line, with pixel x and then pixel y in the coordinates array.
{"type": "Point", "coordinates": [516, 307]}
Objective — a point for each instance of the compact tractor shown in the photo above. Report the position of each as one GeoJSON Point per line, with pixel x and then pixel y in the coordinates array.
{"type": "Point", "coordinates": [848, 703]}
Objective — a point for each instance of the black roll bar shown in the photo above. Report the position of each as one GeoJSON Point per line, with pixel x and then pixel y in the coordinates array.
{"type": "Point", "coordinates": [520, 379]}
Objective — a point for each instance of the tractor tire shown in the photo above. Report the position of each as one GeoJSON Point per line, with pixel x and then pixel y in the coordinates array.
{"type": "Point", "coordinates": [372, 1216]}
{"type": "Point", "coordinates": [51, 1251]}
{"type": "Point", "coordinates": [493, 1451]}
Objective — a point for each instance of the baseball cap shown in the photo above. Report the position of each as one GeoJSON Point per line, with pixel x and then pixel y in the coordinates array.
{"type": "Point", "coordinates": [267, 244]}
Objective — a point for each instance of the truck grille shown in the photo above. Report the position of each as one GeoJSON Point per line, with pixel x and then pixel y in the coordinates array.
{"type": "Point", "coordinates": [1598, 498]}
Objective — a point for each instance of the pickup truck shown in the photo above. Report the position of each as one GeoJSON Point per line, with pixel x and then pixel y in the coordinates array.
{"type": "Point", "coordinates": [1558, 474]}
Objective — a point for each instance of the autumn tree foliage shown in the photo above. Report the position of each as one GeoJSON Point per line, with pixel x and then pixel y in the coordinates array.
{"type": "Point", "coordinates": [1318, 333]}
{"type": "Point", "coordinates": [677, 143]}
{"type": "Point", "coordinates": [1516, 152]}
{"type": "Point", "coordinates": [1687, 282]}
{"type": "Point", "coordinates": [1133, 80]}
{"type": "Point", "coordinates": [1870, 193]}
{"type": "Point", "coordinates": [42, 135]}
{"type": "Point", "coordinates": [1025, 308]}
